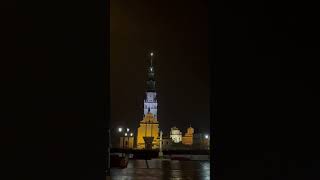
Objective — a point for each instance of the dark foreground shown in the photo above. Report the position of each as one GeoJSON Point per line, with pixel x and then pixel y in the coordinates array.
{"type": "Point", "coordinates": [157, 169]}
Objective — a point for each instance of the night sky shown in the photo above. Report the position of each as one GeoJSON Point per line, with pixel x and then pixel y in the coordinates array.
{"type": "Point", "coordinates": [178, 35]}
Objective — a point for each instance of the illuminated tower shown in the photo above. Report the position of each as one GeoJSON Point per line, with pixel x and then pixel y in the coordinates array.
{"type": "Point", "coordinates": [149, 126]}
{"type": "Point", "coordinates": [150, 102]}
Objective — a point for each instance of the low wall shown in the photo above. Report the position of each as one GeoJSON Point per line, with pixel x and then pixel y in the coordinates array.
{"type": "Point", "coordinates": [188, 156]}
{"type": "Point", "coordinates": [184, 154]}
{"type": "Point", "coordinates": [165, 152]}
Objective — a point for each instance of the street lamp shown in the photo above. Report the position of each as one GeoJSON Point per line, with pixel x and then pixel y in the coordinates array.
{"type": "Point", "coordinates": [131, 134]}
{"type": "Point", "coordinates": [206, 136]}
{"type": "Point", "coordinates": [121, 136]}
{"type": "Point", "coordinates": [125, 135]}
{"type": "Point", "coordinates": [127, 141]}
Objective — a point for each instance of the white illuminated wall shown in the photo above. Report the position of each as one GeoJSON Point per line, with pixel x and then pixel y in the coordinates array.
{"type": "Point", "coordinates": [176, 135]}
{"type": "Point", "coordinates": [151, 102]}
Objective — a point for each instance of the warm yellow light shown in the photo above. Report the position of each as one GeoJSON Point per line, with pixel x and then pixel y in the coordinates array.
{"type": "Point", "coordinates": [131, 134]}
{"type": "Point", "coordinates": [125, 134]}
{"type": "Point", "coordinates": [151, 54]}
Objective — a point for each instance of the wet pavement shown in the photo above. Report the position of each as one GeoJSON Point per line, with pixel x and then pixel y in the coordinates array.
{"type": "Point", "coordinates": [157, 169]}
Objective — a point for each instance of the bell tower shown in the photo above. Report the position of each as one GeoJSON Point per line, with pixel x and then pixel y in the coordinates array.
{"type": "Point", "coordinates": [150, 102]}
{"type": "Point", "coordinates": [149, 126]}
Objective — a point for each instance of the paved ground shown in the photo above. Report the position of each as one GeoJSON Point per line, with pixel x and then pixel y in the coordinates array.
{"type": "Point", "coordinates": [162, 170]}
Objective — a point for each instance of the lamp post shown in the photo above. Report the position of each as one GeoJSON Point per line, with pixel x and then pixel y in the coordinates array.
{"type": "Point", "coordinates": [120, 129]}
{"type": "Point", "coordinates": [123, 140]}
{"type": "Point", "coordinates": [125, 136]}
{"type": "Point", "coordinates": [131, 136]}
{"type": "Point", "coordinates": [207, 138]}
{"type": "Point", "coordinates": [160, 149]}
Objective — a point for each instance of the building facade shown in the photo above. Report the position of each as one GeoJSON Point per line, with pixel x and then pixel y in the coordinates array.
{"type": "Point", "coordinates": [126, 142]}
{"type": "Point", "coordinates": [149, 125]}
{"type": "Point", "coordinates": [175, 135]}
{"type": "Point", "coordinates": [187, 139]}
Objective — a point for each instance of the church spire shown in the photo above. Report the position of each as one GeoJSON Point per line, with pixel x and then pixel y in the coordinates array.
{"type": "Point", "coordinates": [151, 60]}
{"type": "Point", "coordinates": [151, 79]}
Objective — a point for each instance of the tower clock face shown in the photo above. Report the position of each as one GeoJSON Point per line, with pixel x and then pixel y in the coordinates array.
{"type": "Point", "coordinates": [150, 97]}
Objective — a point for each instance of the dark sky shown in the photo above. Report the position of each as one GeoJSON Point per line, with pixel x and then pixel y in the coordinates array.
{"type": "Point", "coordinates": [177, 32]}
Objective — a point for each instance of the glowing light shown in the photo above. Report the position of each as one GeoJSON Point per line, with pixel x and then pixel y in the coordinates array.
{"type": "Point", "coordinates": [151, 54]}
{"type": "Point", "coordinates": [206, 136]}
{"type": "Point", "coordinates": [131, 134]}
{"type": "Point", "coordinates": [128, 129]}
{"type": "Point", "coordinates": [125, 134]}
{"type": "Point", "coordinates": [120, 129]}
